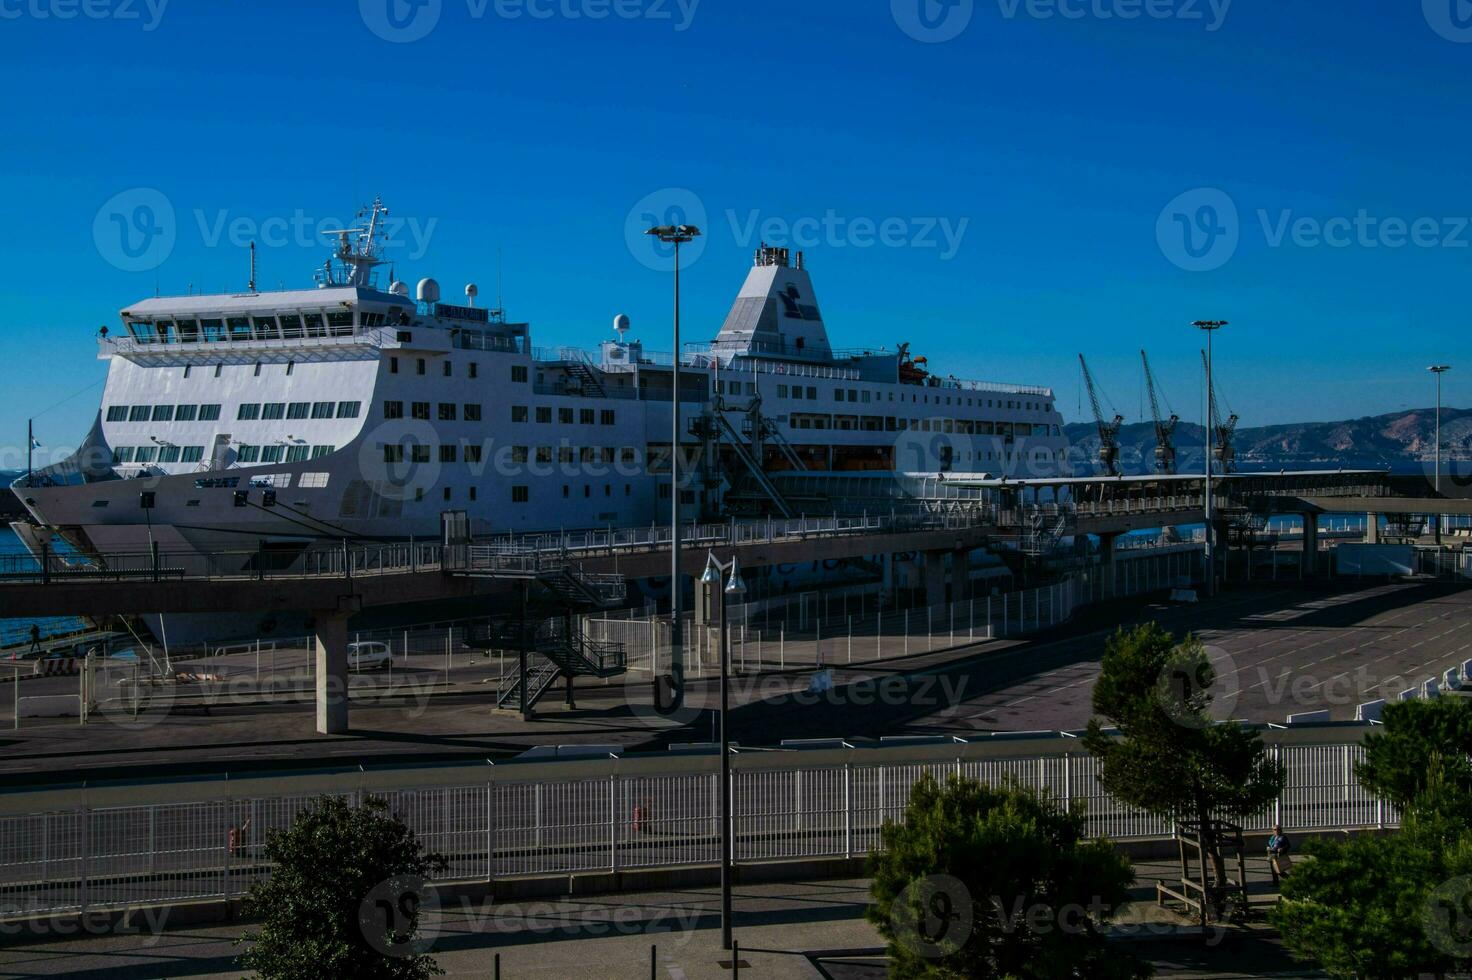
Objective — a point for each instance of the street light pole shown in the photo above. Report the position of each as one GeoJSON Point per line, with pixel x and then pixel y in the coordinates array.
{"type": "Point", "coordinates": [675, 235]}
{"type": "Point", "coordinates": [1211, 327]}
{"type": "Point", "coordinates": [1438, 370]}
{"type": "Point", "coordinates": [735, 586]}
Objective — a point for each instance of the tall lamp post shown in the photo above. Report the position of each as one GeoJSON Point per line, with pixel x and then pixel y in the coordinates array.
{"type": "Point", "coordinates": [1438, 370]}
{"type": "Point", "coordinates": [675, 235]}
{"type": "Point", "coordinates": [1211, 327]}
{"type": "Point", "coordinates": [736, 588]}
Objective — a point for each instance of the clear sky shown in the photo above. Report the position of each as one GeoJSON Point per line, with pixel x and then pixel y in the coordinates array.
{"type": "Point", "coordinates": [1003, 183]}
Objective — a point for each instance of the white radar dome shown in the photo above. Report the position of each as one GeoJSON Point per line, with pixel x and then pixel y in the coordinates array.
{"type": "Point", "coordinates": [428, 291]}
{"type": "Point", "coordinates": [399, 288]}
{"type": "Point", "coordinates": [471, 292]}
{"type": "Point", "coordinates": [621, 324]}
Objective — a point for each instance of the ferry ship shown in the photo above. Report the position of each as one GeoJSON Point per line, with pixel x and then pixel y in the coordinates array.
{"type": "Point", "coordinates": [237, 422]}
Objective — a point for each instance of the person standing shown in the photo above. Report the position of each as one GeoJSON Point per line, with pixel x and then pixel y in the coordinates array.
{"type": "Point", "coordinates": [35, 650]}
{"type": "Point", "coordinates": [1279, 847]}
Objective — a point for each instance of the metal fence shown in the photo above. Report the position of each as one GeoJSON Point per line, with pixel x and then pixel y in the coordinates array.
{"type": "Point", "coordinates": [118, 846]}
{"type": "Point", "coordinates": [765, 638]}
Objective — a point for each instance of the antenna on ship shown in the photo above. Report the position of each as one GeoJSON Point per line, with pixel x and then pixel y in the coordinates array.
{"type": "Point", "coordinates": [250, 286]}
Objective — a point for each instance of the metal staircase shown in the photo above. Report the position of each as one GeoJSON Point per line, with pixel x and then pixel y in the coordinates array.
{"type": "Point", "coordinates": [580, 368]}
{"type": "Point", "coordinates": [581, 589]}
{"type": "Point", "coordinates": [558, 649]}
{"type": "Point", "coordinates": [717, 423]}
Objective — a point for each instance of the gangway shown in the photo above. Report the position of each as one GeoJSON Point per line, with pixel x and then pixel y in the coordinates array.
{"type": "Point", "coordinates": [716, 424]}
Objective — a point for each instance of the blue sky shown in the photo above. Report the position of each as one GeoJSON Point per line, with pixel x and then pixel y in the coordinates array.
{"type": "Point", "coordinates": [1035, 176]}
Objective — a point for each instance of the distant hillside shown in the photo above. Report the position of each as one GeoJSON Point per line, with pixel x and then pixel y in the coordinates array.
{"type": "Point", "coordinates": [1403, 441]}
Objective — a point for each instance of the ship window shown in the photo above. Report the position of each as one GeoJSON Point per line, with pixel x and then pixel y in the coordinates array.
{"type": "Point", "coordinates": [322, 410]}
{"type": "Point", "coordinates": [564, 454]}
{"type": "Point", "coordinates": [472, 412]}
{"type": "Point", "coordinates": [564, 416]}
{"type": "Point", "coordinates": [474, 373]}
{"type": "Point", "coordinates": [544, 454]}
{"type": "Point", "coordinates": [192, 454]}
{"type": "Point", "coordinates": [290, 368]}
{"type": "Point", "coordinates": [297, 454]}
{"type": "Point", "coordinates": [122, 454]}
{"type": "Point", "coordinates": [258, 369]}
{"type": "Point", "coordinates": [473, 454]}
{"type": "Point", "coordinates": [566, 490]}
{"type": "Point", "coordinates": [393, 410]}
{"type": "Point", "coordinates": [209, 413]}
{"type": "Point", "coordinates": [163, 413]}
{"type": "Point", "coordinates": [273, 410]}
{"type": "Point", "coordinates": [626, 455]}
{"type": "Point", "coordinates": [145, 454]}
{"type": "Point", "coordinates": [812, 393]}
{"type": "Point", "coordinates": [117, 413]}
{"type": "Point", "coordinates": [544, 413]}
{"type": "Point", "coordinates": [519, 454]}
{"type": "Point", "coordinates": [419, 365]}
{"type": "Point", "coordinates": [838, 394]}
{"type": "Point", "coordinates": [418, 494]}
{"type": "Point", "coordinates": [781, 391]}
{"type": "Point", "coordinates": [185, 413]}
{"type": "Point", "coordinates": [420, 410]}
{"type": "Point", "coordinates": [447, 411]}
{"type": "Point", "coordinates": [348, 410]}
{"type": "Point", "coordinates": [291, 326]}
{"type": "Point", "coordinates": [298, 410]}
{"type": "Point", "coordinates": [587, 491]}
{"type": "Point", "coordinates": [448, 367]}
{"type": "Point", "coordinates": [447, 452]}
{"type": "Point", "coordinates": [314, 325]}
{"type": "Point", "coordinates": [239, 327]}
{"type": "Point", "coordinates": [340, 323]}
{"type": "Point", "coordinates": [418, 453]}
{"type": "Point", "coordinates": [606, 416]}
{"type": "Point", "coordinates": [320, 451]}
{"type": "Point", "coordinates": [521, 494]}
{"type": "Point", "coordinates": [248, 410]}
{"type": "Point", "coordinates": [139, 413]}
{"type": "Point", "coordinates": [472, 493]}
{"type": "Point", "coordinates": [266, 328]}
{"type": "Point", "coordinates": [271, 454]}
{"type": "Point", "coordinates": [393, 453]}
{"type": "Point", "coordinates": [99, 503]}
{"type": "Point", "coordinates": [518, 413]}
{"type": "Point", "coordinates": [518, 373]}
{"type": "Point", "coordinates": [585, 416]}
{"type": "Point", "coordinates": [188, 331]}
{"type": "Point", "coordinates": [447, 493]}
{"type": "Point", "coordinates": [212, 331]}
{"type": "Point", "coordinates": [142, 331]}
{"type": "Point", "coordinates": [168, 454]}
{"type": "Point", "coordinates": [393, 365]}
{"type": "Point", "coordinates": [192, 503]}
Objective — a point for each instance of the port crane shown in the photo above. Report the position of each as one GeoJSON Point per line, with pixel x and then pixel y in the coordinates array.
{"type": "Point", "coordinates": [1108, 431]}
{"type": "Point", "coordinates": [1222, 433]}
{"type": "Point", "coordinates": [1165, 429]}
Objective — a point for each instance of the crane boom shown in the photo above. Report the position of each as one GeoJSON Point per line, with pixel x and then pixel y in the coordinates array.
{"type": "Point", "coordinates": [1165, 449]}
{"type": "Point", "coordinates": [1222, 433]}
{"type": "Point", "coordinates": [1108, 431]}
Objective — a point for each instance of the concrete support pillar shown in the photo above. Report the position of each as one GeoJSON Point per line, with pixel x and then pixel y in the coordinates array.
{"type": "Point", "coordinates": [1106, 565]}
{"type": "Point", "coordinates": [332, 673]}
{"type": "Point", "coordinates": [935, 578]}
{"type": "Point", "coordinates": [1372, 529]}
{"type": "Point", "coordinates": [960, 574]}
{"type": "Point", "coordinates": [1310, 545]}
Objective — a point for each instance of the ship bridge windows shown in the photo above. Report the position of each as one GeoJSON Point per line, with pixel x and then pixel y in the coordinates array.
{"type": "Point", "coordinates": [265, 328]}
{"type": "Point", "coordinates": [291, 326]}
{"type": "Point", "coordinates": [340, 323]}
{"type": "Point", "coordinates": [314, 325]}
{"type": "Point", "coordinates": [238, 327]}
{"type": "Point", "coordinates": [212, 331]}
{"type": "Point", "coordinates": [188, 331]}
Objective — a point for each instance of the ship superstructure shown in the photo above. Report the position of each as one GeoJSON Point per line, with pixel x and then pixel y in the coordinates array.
{"type": "Point", "coordinates": [350, 411]}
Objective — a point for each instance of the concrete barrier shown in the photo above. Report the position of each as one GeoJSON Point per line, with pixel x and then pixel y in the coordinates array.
{"type": "Point", "coordinates": [55, 666]}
